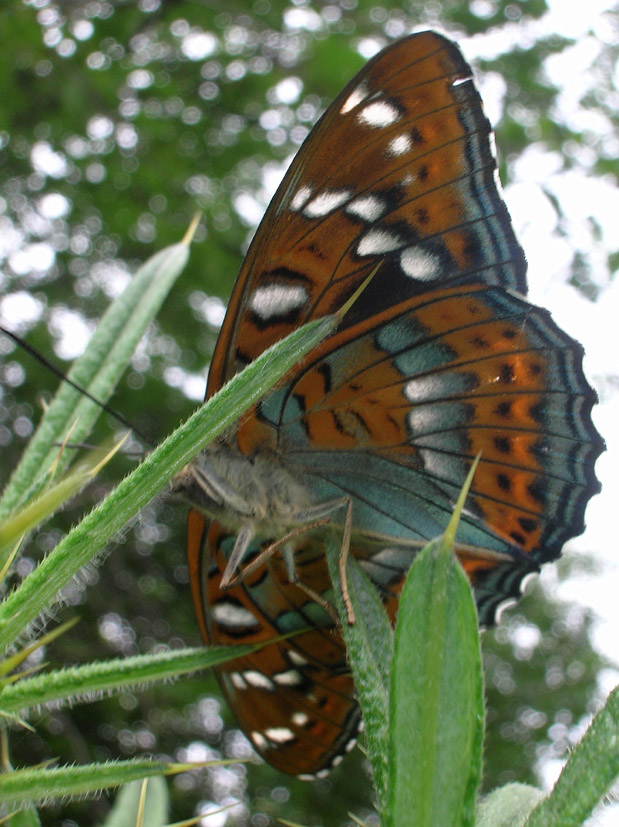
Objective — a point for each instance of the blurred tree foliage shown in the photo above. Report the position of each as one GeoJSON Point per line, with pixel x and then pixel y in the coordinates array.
{"type": "Point", "coordinates": [119, 120]}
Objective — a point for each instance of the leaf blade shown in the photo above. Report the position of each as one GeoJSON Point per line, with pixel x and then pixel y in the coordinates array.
{"type": "Point", "coordinates": [436, 714]}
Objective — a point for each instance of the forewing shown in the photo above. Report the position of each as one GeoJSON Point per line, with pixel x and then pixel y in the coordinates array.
{"type": "Point", "coordinates": [398, 171]}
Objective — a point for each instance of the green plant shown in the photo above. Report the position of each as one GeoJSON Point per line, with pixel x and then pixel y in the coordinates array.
{"type": "Point", "coordinates": [420, 688]}
{"type": "Point", "coordinates": [421, 691]}
{"type": "Point", "coordinates": [37, 489]}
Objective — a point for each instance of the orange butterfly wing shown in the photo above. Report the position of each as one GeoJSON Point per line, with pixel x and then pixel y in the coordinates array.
{"type": "Point", "coordinates": [415, 192]}
{"type": "Point", "coordinates": [399, 172]}
{"type": "Point", "coordinates": [295, 698]}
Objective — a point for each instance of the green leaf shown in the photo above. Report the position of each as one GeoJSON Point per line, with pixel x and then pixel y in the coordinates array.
{"type": "Point", "coordinates": [437, 708]}
{"type": "Point", "coordinates": [156, 804]}
{"type": "Point", "coordinates": [592, 767]}
{"type": "Point", "coordinates": [508, 806]}
{"type": "Point", "coordinates": [97, 371]}
{"type": "Point", "coordinates": [38, 784]}
{"type": "Point", "coordinates": [53, 496]}
{"type": "Point", "coordinates": [14, 661]}
{"type": "Point", "coordinates": [369, 644]}
{"type": "Point", "coordinates": [90, 681]}
{"type": "Point", "coordinates": [40, 588]}
{"type": "Point", "coordinates": [28, 817]}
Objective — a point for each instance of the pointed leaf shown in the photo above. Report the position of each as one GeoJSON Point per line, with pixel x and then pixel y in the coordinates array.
{"type": "Point", "coordinates": [592, 767]}
{"type": "Point", "coordinates": [97, 371]}
{"type": "Point", "coordinates": [92, 680]}
{"type": "Point", "coordinates": [369, 644]}
{"type": "Point", "coordinates": [156, 805]}
{"type": "Point", "coordinates": [436, 716]}
{"type": "Point", "coordinates": [508, 806]}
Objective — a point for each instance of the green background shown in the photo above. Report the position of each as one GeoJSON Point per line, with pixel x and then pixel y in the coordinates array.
{"type": "Point", "coordinates": [116, 107]}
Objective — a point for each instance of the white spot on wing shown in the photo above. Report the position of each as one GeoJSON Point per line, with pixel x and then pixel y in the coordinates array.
{"type": "Point", "coordinates": [326, 202]}
{"type": "Point", "coordinates": [299, 718]}
{"type": "Point", "coordinates": [436, 464]}
{"type": "Point", "coordinates": [418, 264]}
{"type": "Point", "coordinates": [420, 420]}
{"type": "Point", "coordinates": [437, 386]}
{"type": "Point", "coordinates": [258, 680]}
{"type": "Point", "coordinates": [351, 744]}
{"type": "Point", "coordinates": [368, 207]}
{"type": "Point", "coordinates": [337, 760]}
{"type": "Point", "coordinates": [237, 680]}
{"type": "Point", "coordinates": [289, 678]}
{"type": "Point", "coordinates": [355, 98]}
{"type": "Point", "coordinates": [386, 557]}
{"type": "Point", "coordinates": [259, 740]}
{"type": "Point", "coordinates": [528, 578]}
{"type": "Point", "coordinates": [375, 242]}
{"type": "Point", "coordinates": [273, 300]}
{"type": "Point", "coordinates": [379, 113]}
{"type": "Point", "coordinates": [300, 197]}
{"type": "Point", "coordinates": [399, 145]}
{"type": "Point", "coordinates": [503, 606]}
{"type": "Point", "coordinates": [231, 614]}
{"type": "Point", "coordinates": [425, 388]}
{"type": "Point", "coordinates": [280, 734]}
{"type": "Point", "coordinates": [497, 181]}
{"type": "Point", "coordinates": [297, 658]}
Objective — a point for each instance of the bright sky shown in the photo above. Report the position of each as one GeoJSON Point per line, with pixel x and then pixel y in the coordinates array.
{"type": "Point", "coordinates": [583, 199]}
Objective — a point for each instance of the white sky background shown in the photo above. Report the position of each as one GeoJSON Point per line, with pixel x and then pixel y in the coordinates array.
{"type": "Point", "coordinates": [594, 324]}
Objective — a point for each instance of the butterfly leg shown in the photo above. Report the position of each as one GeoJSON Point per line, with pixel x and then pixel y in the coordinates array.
{"type": "Point", "coordinates": [238, 552]}
{"type": "Point", "coordinates": [324, 509]}
{"type": "Point", "coordinates": [309, 519]}
{"type": "Point", "coordinates": [206, 490]}
{"type": "Point", "coordinates": [329, 609]}
{"type": "Point", "coordinates": [228, 581]}
{"type": "Point", "coordinates": [268, 552]}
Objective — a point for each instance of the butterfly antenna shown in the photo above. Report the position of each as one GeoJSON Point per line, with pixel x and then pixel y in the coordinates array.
{"type": "Point", "coordinates": [352, 299]}
{"type": "Point", "coordinates": [58, 373]}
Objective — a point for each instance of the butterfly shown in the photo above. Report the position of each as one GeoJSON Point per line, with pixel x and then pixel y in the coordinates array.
{"type": "Point", "coordinates": [440, 358]}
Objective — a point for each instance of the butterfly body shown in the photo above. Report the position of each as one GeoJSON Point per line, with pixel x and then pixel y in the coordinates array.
{"type": "Point", "coordinates": [236, 489]}
{"type": "Point", "coordinates": [440, 358]}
